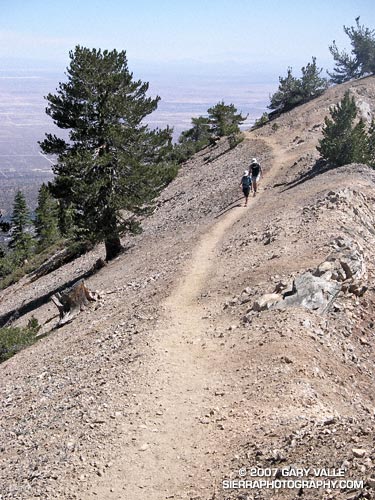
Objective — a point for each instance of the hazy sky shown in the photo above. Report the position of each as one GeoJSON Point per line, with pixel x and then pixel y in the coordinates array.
{"type": "Point", "coordinates": [194, 53]}
{"type": "Point", "coordinates": [161, 34]}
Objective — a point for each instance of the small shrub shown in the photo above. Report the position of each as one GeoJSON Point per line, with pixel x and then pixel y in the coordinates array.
{"type": "Point", "coordinates": [262, 120]}
{"type": "Point", "coordinates": [11, 271]}
{"type": "Point", "coordinates": [14, 339]}
{"type": "Point", "coordinates": [235, 139]}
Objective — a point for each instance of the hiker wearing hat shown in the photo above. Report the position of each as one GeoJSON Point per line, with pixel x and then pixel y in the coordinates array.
{"type": "Point", "coordinates": [256, 171]}
{"type": "Point", "coordinates": [246, 185]}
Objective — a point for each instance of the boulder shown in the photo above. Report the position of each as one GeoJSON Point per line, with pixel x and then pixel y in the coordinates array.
{"type": "Point", "coordinates": [312, 292]}
{"type": "Point", "coordinates": [318, 289]}
{"type": "Point", "coordinates": [266, 301]}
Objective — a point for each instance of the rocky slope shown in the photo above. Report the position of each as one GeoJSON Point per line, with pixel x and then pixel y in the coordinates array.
{"type": "Point", "coordinates": [187, 373]}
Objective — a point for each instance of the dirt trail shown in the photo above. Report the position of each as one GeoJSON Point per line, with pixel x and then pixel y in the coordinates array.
{"type": "Point", "coordinates": [170, 442]}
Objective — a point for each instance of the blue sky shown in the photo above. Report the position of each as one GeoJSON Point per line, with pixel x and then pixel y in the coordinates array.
{"type": "Point", "coordinates": [194, 53]}
{"type": "Point", "coordinates": [232, 35]}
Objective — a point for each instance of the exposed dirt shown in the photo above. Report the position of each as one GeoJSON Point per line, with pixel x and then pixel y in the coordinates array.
{"type": "Point", "coordinates": [171, 384]}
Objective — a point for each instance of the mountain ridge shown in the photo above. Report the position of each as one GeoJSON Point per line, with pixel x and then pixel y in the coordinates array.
{"type": "Point", "coordinates": [171, 383]}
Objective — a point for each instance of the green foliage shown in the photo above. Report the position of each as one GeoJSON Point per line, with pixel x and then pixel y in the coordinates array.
{"type": "Point", "coordinates": [194, 139]}
{"type": "Point", "coordinates": [14, 339]}
{"type": "Point", "coordinates": [12, 271]}
{"type": "Point", "coordinates": [371, 144]}
{"type": "Point", "coordinates": [4, 225]}
{"type": "Point", "coordinates": [312, 84]}
{"type": "Point", "coordinates": [362, 59]}
{"type": "Point", "coordinates": [235, 139]}
{"type": "Point", "coordinates": [21, 240]}
{"type": "Point", "coordinates": [200, 132]}
{"type": "Point", "coordinates": [112, 162]}
{"type": "Point", "coordinates": [262, 120]}
{"type": "Point", "coordinates": [46, 219]}
{"type": "Point", "coordinates": [222, 120]}
{"type": "Point", "coordinates": [288, 94]}
{"type": "Point", "coordinates": [295, 91]}
{"type": "Point", "coordinates": [345, 140]}
{"type": "Point", "coordinates": [23, 254]}
{"type": "Point", "coordinates": [7, 263]}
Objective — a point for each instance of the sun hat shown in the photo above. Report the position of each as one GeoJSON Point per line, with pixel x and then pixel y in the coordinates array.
{"type": "Point", "coordinates": [246, 172]}
{"type": "Point", "coordinates": [254, 160]}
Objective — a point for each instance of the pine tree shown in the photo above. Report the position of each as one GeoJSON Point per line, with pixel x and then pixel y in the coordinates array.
{"type": "Point", "coordinates": [21, 239]}
{"type": "Point", "coordinates": [312, 84]}
{"type": "Point", "coordinates": [113, 163]}
{"type": "Point", "coordinates": [224, 119]}
{"type": "Point", "coordinates": [295, 91]}
{"type": "Point", "coordinates": [362, 59]}
{"type": "Point", "coordinates": [193, 139]}
{"type": "Point", "coordinates": [288, 94]}
{"type": "Point", "coordinates": [199, 133]}
{"type": "Point", "coordinates": [46, 219]}
{"type": "Point", "coordinates": [344, 141]}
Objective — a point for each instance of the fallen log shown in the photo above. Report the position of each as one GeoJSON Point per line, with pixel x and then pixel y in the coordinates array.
{"type": "Point", "coordinates": [54, 262]}
{"type": "Point", "coordinates": [73, 300]}
{"type": "Point", "coordinates": [63, 256]}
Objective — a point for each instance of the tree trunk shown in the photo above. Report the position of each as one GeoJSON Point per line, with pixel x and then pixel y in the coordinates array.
{"type": "Point", "coordinates": [73, 300]}
{"type": "Point", "coordinates": [112, 248]}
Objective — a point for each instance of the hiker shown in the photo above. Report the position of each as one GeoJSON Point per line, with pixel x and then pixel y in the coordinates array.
{"type": "Point", "coordinates": [256, 171]}
{"type": "Point", "coordinates": [246, 185]}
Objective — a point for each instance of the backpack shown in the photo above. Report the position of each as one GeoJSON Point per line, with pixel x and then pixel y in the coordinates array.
{"type": "Point", "coordinates": [254, 168]}
{"type": "Point", "coordinates": [246, 181]}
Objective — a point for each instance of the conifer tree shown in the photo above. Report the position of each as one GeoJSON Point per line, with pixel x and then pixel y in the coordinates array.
{"type": "Point", "coordinates": [21, 239]}
{"type": "Point", "coordinates": [224, 119]}
{"type": "Point", "coordinates": [193, 139]}
{"type": "Point", "coordinates": [312, 84]}
{"type": "Point", "coordinates": [46, 218]}
{"type": "Point", "coordinates": [293, 91]}
{"type": "Point", "coordinates": [362, 59]}
{"type": "Point", "coordinates": [288, 94]}
{"type": "Point", "coordinates": [344, 141]}
{"type": "Point", "coordinates": [113, 164]}
{"type": "Point", "coordinates": [199, 133]}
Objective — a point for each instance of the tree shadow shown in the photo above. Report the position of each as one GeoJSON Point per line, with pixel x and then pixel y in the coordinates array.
{"type": "Point", "coordinates": [320, 167]}
{"type": "Point", "coordinates": [211, 160]}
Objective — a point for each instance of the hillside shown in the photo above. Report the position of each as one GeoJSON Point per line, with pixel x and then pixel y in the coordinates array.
{"type": "Point", "coordinates": [174, 380]}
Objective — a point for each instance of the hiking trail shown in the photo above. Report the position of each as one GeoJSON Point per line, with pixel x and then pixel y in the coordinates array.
{"type": "Point", "coordinates": [172, 445]}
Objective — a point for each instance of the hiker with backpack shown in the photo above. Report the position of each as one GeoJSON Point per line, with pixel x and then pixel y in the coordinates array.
{"type": "Point", "coordinates": [246, 185]}
{"type": "Point", "coordinates": [256, 171]}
